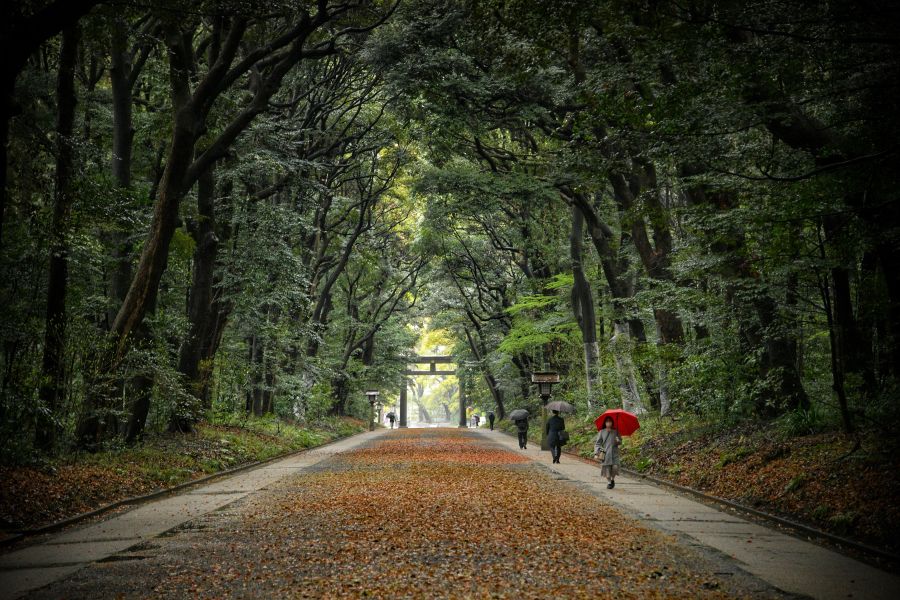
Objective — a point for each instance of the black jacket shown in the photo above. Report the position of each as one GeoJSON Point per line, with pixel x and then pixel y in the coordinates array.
{"type": "Point", "coordinates": [555, 424]}
{"type": "Point", "coordinates": [522, 425]}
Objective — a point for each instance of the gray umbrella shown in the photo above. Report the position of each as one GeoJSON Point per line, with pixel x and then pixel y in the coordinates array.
{"type": "Point", "coordinates": [560, 406]}
{"type": "Point", "coordinates": [519, 413]}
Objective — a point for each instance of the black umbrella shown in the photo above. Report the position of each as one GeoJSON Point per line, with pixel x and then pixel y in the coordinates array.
{"type": "Point", "coordinates": [519, 413]}
{"type": "Point", "coordinates": [561, 406]}
{"type": "Point", "coordinates": [390, 414]}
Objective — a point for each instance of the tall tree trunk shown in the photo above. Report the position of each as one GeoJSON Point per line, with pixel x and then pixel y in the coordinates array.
{"type": "Point", "coordinates": [122, 144]}
{"type": "Point", "coordinates": [837, 362]}
{"type": "Point", "coordinates": [25, 37]}
{"type": "Point", "coordinates": [656, 255]}
{"type": "Point", "coordinates": [340, 392]}
{"type": "Point", "coordinates": [255, 396]}
{"type": "Point", "coordinates": [122, 74]}
{"type": "Point", "coordinates": [52, 372]}
{"type": "Point", "coordinates": [144, 286]}
{"type": "Point", "coordinates": [268, 393]}
{"type": "Point", "coordinates": [479, 351]}
{"type": "Point", "coordinates": [200, 297]}
{"type": "Point", "coordinates": [424, 415]}
{"type": "Point", "coordinates": [139, 389]}
{"type": "Point", "coordinates": [778, 363]}
{"type": "Point", "coordinates": [656, 259]}
{"type": "Point", "coordinates": [889, 258]}
{"type": "Point", "coordinates": [190, 108]}
{"type": "Point", "coordinates": [628, 383]}
{"type": "Point", "coordinates": [789, 123]}
{"type": "Point", "coordinates": [583, 305]}
{"type": "Point", "coordinates": [523, 366]}
{"type": "Point", "coordinates": [323, 302]}
{"type": "Point", "coordinates": [853, 343]}
{"type": "Point", "coordinates": [7, 107]}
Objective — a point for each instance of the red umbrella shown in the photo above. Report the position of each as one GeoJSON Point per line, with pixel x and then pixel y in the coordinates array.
{"type": "Point", "coordinates": [623, 421]}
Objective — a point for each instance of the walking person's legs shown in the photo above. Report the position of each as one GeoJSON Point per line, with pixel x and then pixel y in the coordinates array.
{"type": "Point", "coordinates": [609, 471]}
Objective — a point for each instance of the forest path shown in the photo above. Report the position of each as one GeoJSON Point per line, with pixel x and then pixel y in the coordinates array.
{"type": "Point", "coordinates": [412, 513]}
{"type": "Point", "coordinates": [56, 556]}
{"type": "Point", "coordinates": [787, 562]}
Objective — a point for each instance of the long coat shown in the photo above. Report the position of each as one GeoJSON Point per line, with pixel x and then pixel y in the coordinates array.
{"type": "Point", "coordinates": [555, 424]}
{"type": "Point", "coordinates": [608, 441]}
{"type": "Point", "coordinates": [522, 425]}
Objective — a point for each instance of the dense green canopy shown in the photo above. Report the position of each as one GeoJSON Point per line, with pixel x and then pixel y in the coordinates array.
{"type": "Point", "coordinates": [266, 206]}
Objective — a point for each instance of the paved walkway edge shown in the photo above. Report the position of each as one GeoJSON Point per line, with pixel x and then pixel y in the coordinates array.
{"type": "Point", "coordinates": [59, 555]}
{"type": "Point", "coordinates": [800, 530]}
{"type": "Point", "coordinates": [786, 561]}
{"type": "Point", "coordinates": [57, 525]}
{"type": "Point", "coordinates": [798, 527]}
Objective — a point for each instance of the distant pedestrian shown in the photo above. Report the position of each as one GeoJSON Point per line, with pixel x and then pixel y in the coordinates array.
{"type": "Point", "coordinates": [606, 450]}
{"type": "Point", "coordinates": [522, 428]}
{"type": "Point", "coordinates": [477, 419]}
{"type": "Point", "coordinates": [391, 417]}
{"type": "Point", "coordinates": [491, 418]}
{"type": "Point", "coordinates": [555, 425]}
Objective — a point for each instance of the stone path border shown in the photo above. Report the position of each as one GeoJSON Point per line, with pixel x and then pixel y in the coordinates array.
{"type": "Point", "coordinates": [799, 528]}
{"type": "Point", "coordinates": [61, 555]}
{"type": "Point", "coordinates": [790, 564]}
{"type": "Point", "coordinates": [867, 552]}
{"type": "Point", "coordinates": [74, 519]}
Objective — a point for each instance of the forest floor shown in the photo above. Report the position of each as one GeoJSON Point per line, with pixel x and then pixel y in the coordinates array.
{"type": "Point", "coordinates": [414, 513]}
{"type": "Point", "coordinates": [33, 495]}
{"type": "Point", "coordinates": [841, 484]}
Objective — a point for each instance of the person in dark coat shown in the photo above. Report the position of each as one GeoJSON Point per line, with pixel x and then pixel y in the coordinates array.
{"type": "Point", "coordinates": [555, 424]}
{"type": "Point", "coordinates": [522, 428]}
{"type": "Point", "coordinates": [491, 418]}
{"type": "Point", "coordinates": [391, 418]}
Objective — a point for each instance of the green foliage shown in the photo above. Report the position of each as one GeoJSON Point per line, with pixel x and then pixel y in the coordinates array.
{"type": "Point", "coordinates": [843, 523]}
{"type": "Point", "coordinates": [733, 456]}
{"type": "Point", "coordinates": [802, 422]}
{"type": "Point", "coordinates": [428, 170]}
{"type": "Point", "coordinates": [796, 483]}
{"type": "Point", "coordinates": [643, 464]}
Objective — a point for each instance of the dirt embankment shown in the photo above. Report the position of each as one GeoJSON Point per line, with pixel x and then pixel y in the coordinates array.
{"type": "Point", "coordinates": [845, 485]}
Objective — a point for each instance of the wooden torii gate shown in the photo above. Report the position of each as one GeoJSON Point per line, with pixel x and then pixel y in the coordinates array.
{"type": "Point", "coordinates": [432, 362]}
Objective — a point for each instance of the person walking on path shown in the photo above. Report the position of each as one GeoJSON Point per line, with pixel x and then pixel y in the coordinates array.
{"type": "Point", "coordinates": [477, 419]}
{"type": "Point", "coordinates": [522, 429]}
{"type": "Point", "coordinates": [606, 450]}
{"type": "Point", "coordinates": [555, 424]}
{"type": "Point", "coordinates": [391, 418]}
{"type": "Point", "coordinates": [491, 418]}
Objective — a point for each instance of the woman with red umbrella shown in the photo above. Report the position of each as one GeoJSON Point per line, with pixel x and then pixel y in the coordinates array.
{"type": "Point", "coordinates": [612, 425]}
{"type": "Point", "coordinates": [606, 450]}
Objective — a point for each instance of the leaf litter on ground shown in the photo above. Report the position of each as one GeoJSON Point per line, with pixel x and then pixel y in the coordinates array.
{"type": "Point", "coordinates": [419, 513]}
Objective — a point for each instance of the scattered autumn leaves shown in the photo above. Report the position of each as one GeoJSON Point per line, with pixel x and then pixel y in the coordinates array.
{"type": "Point", "coordinates": [823, 479]}
{"type": "Point", "coordinates": [419, 513]}
{"type": "Point", "coordinates": [32, 496]}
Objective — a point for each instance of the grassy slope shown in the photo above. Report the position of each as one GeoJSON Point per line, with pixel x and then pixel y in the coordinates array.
{"type": "Point", "coordinates": [36, 495]}
{"type": "Point", "coordinates": [815, 479]}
